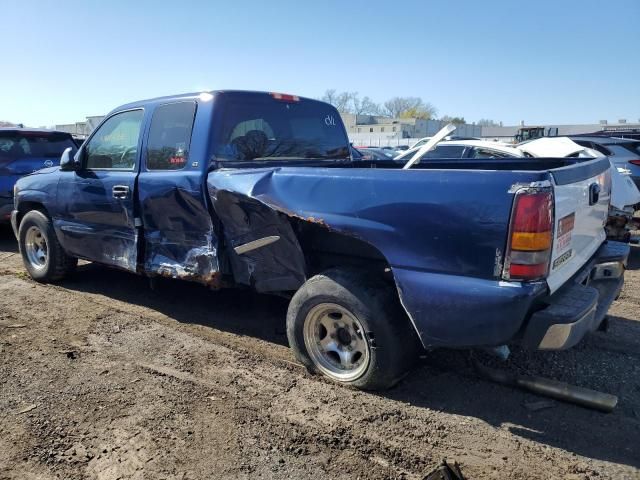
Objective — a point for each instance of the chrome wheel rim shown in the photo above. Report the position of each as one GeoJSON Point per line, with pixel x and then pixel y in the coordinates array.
{"type": "Point", "coordinates": [336, 342]}
{"type": "Point", "coordinates": [35, 246]}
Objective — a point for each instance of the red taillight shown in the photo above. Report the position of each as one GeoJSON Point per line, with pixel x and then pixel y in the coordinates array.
{"type": "Point", "coordinates": [527, 271]}
{"type": "Point", "coordinates": [533, 212]}
{"type": "Point", "coordinates": [531, 236]}
{"type": "Point", "coordinates": [285, 97]}
{"type": "Point", "coordinates": [635, 162]}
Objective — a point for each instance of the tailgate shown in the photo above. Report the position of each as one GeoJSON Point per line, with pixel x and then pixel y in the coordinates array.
{"type": "Point", "coordinates": [582, 194]}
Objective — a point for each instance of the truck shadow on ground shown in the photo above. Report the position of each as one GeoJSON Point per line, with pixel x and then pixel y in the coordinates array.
{"type": "Point", "coordinates": [444, 380]}
{"type": "Point", "coordinates": [634, 258]}
{"type": "Point", "coordinates": [8, 242]}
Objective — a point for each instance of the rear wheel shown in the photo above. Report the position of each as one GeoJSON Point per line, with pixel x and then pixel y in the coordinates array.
{"type": "Point", "coordinates": [42, 254]}
{"type": "Point", "coordinates": [351, 330]}
{"type": "Point", "coordinates": [336, 343]}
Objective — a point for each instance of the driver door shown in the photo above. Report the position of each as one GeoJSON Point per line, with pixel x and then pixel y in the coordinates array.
{"type": "Point", "coordinates": [97, 202]}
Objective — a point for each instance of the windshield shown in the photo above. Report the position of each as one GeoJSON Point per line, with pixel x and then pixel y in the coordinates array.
{"type": "Point", "coordinates": [24, 145]}
{"type": "Point", "coordinates": [252, 126]}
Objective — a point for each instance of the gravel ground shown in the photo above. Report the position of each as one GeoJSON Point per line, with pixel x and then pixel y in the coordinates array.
{"type": "Point", "coordinates": [103, 378]}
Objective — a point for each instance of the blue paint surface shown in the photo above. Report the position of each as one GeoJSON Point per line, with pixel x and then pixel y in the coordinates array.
{"type": "Point", "coordinates": [442, 231]}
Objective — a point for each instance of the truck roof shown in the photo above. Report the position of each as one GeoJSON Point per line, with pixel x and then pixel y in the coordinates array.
{"type": "Point", "coordinates": [194, 95]}
{"type": "Point", "coordinates": [30, 130]}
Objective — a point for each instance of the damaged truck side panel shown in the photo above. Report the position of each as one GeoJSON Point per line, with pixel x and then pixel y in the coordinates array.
{"type": "Point", "coordinates": [180, 238]}
{"type": "Point", "coordinates": [261, 245]}
{"type": "Point", "coordinates": [443, 254]}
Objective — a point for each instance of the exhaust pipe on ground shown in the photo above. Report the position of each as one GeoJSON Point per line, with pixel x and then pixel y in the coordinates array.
{"type": "Point", "coordinates": [584, 397]}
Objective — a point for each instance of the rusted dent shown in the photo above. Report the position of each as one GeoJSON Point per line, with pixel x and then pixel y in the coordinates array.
{"type": "Point", "coordinates": [210, 279]}
{"type": "Point", "coordinates": [292, 214]}
{"type": "Point", "coordinates": [317, 221]}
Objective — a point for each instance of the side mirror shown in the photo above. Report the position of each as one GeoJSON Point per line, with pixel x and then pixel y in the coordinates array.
{"type": "Point", "coordinates": [69, 162]}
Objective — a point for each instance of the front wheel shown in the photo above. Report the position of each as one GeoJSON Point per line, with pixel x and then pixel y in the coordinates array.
{"type": "Point", "coordinates": [42, 254]}
{"type": "Point", "coordinates": [351, 330]}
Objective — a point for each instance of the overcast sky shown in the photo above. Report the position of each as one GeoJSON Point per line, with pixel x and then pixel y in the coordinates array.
{"type": "Point", "coordinates": [571, 61]}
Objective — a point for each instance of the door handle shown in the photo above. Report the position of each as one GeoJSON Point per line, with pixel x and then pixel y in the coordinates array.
{"type": "Point", "coordinates": [594, 193]}
{"type": "Point", "coordinates": [120, 191]}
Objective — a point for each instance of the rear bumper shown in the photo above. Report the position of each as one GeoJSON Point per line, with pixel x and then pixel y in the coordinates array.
{"type": "Point", "coordinates": [579, 306]}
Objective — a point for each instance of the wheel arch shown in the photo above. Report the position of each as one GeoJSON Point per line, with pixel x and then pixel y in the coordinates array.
{"type": "Point", "coordinates": [25, 207]}
{"type": "Point", "coordinates": [337, 252]}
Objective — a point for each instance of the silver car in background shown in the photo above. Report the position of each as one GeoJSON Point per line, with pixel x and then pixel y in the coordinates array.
{"type": "Point", "coordinates": [624, 153]}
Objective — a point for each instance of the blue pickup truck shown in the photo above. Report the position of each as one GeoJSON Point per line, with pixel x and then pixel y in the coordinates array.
{"type": "Point", "coordinates": [23, 151]}
{"type": "Point", "coordinates": [260, 191]}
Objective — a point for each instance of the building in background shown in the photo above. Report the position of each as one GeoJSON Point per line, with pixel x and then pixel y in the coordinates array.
{"type": "Point", "coordinates": [509, 133]}
{"type": "Point", "coordinates": [373, 130]}
{"type": "Point", "coordinates": [81, 129]}
{"type": "Point", "coordinates": [376, 130]}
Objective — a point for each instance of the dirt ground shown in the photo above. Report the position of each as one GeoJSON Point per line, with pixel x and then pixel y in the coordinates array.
{"type": "Point", "coordinates": [102, 377]}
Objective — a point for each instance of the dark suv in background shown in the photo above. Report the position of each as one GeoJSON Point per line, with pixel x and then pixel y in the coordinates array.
{"type": "Point", "coordinates": [23, 151]}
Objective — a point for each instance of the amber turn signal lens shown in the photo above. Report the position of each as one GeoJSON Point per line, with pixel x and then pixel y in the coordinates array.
{"type": "Point", "coordinates": [531, 241]}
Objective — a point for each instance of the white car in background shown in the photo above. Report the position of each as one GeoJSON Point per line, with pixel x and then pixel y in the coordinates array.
{"type": "Point", "coordinates": [625, 196]}
{"type": "Point", "coordinates": [463, 149]}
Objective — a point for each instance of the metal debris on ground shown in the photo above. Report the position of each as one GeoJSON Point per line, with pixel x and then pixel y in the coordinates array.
{"type": "Point", "coordinates": [584, 397]}
{"type": "Point", "coordinates": [445, 471]}
{"type": "Point", "coordinates": [534, 406]}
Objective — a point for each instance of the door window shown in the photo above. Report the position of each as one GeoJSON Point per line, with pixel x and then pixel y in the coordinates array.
{"type": "Point", "coordinates": [170, 136]}
{"type": "Point", "coordinates": [115, 144]}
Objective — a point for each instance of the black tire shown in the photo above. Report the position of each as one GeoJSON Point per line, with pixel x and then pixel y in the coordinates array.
{"type": "Point", "coordinates": [392, 340]}
{"type": "Point", "coordinates": [56, 263]}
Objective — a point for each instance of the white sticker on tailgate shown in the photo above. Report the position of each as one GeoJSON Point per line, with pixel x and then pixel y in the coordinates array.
{"type": "Point", "coordinates": [563, 240]}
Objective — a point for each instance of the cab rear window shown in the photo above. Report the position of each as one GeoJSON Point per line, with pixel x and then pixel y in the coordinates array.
{"type": "Point", "coordinates": [253, 127]}
{"type": "Point", "coordinates": [632, 147]}
{"type": "Point", "coordinates": [623, 149]}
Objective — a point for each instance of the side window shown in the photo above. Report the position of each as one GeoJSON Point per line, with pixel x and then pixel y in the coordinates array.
{"type": "Point", "coordinates": [115, 144]}
{"type": "Point", "coordinates": [170, 136]}
{"type": "Point", "coordinates": [487, 153]}
{"type": "Point", "coordinates": [446, 151]}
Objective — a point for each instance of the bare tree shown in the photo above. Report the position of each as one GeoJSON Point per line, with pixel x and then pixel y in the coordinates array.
{"type": "Point", "coordinates": [364, 106]}
{"type": "Point", "coordinates": [340, 100]}
{"type": "Point", "coordinates": [409, 107]}
{"type": "Point", "coordinates": [343, 102]}
{"type": "Point", "coordinates": [406, 107]}
{"type": "Point", "coordinates": [329, 96]}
